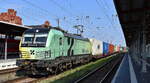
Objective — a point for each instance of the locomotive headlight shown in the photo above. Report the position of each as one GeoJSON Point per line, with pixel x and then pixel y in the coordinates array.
{"type": "Point", "coordinates": [20, 54]}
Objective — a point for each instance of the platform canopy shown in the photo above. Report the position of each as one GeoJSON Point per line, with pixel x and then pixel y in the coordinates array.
{"type": "Point", "coordinates": [12, 29]}
{"type": "Point", "coordinates": [133, 16]}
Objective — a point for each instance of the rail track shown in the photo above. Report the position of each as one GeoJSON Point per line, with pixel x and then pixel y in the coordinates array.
{"type": "Point", "coordinates": [22, 80]}
{"type": "Point", "coordinates": [102, 74]}
{"type": "Point", "coordinates": [8, 70]}
{"type": "Point", "coordinates": [8, 74]}
{"type": "Point", "coordinates": [83, 79]}
{"type": "Point", "coordinates": [27, 79]}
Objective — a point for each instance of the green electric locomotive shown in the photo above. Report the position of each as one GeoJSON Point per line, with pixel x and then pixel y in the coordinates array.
{"type": "Point", "coordinates": [49, 50]}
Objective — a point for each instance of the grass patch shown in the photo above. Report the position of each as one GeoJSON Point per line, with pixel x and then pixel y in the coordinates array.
{"type": "Point", "coordinates": [73, 74]}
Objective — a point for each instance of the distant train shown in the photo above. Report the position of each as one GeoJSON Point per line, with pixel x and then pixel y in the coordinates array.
{"type": "Point", "coordinates": [46, 51]}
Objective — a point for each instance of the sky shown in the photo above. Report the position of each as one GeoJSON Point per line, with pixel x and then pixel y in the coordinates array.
{"type": "Point", "coordinates": [98, 17]}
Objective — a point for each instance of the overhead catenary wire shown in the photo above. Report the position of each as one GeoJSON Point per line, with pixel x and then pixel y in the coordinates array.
{"type": "Point", "coordinates": [30, 17]}
{"type": "Point", "coordinates": [106, 4]}
{"type": "Point", "coordinates": [36, 6]}
{"type": "Point", "coordinates": [64, 9]}
{"type": "Point", "coordinates": [108, 8]}
{"type": "Point", "coordinates": [34, 13]}
{"type": "Point", "coordinates": [106, 15]}
{"type": "Point", "coordinates": [22, 13]}
{"type": "Point", "coordinates": [61, 7]}
{"type": "Point", "coordinates": [68, 3]}
{"type": "Point", "coordinates": [104, 11]}
{"type": "Point", "coordinates": [101, 4]}
{"type": "Point", "coordinates": [46, 11]}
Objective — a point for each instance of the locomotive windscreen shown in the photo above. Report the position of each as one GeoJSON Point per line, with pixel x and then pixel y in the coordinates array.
{"type": "Point", "coordinates": [35, 38]}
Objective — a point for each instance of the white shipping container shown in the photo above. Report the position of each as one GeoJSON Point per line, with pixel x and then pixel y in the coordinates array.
{"type": "Point", "coordinates": [116, 48]}
{"type": "Point", "coordinates": [97, 47]}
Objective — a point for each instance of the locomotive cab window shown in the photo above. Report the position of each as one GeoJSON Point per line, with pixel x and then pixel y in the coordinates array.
{"type": "Point", "coordinates": [28, 38]}
{"type": "Point", "coordinates": [34, 38]}
{"type": "Point", "coordinates": [40, 38]}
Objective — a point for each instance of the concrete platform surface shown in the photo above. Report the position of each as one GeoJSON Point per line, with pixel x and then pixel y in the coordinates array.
{"type": "Point", "coordinates": [125, 72]}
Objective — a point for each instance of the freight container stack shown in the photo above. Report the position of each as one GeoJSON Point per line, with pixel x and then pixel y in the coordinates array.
{"type": "Point", "coordinates": [121, 49]}
{"type": "Point", "coordinates": [118, 48]}
{"type": "Point", "coordinates": [125, 49]}
{"type": "Point", "coordinates": [10, 16]}
{"type": "Point", "coordinates": [97, 47]}
{"type": "Point", "coordinates": [115, 48]}
{"type": "Point", "coordinates": [111, 49]}
{"type": "Point", "coordinates": [105, 48]}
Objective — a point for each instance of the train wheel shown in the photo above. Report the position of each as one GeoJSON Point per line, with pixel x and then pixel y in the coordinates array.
{"type": "Point", "coordinates": [65, 66]}
{"type": "Point", "coordinates": [60, 67]}
{"type": "Point", "coordinates": [56, 70]}
{"type": "Point", "coordinates": [70, 65]}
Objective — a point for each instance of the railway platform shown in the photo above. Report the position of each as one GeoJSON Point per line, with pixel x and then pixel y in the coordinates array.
{"type": "Point", "coordinates": [7, 64]}
{"type": "Point", "coordinates": [126, 72]}
{"type": "Point", "coordinates": [132, 70]}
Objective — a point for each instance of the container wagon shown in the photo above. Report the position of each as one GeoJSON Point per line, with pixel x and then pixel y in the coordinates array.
{"type": "Point", "coordinates": [97, 48]}
{"type": "Point", "coordinates": [105, 49]}
{"type": "Point", "coordinates": [111, 49]}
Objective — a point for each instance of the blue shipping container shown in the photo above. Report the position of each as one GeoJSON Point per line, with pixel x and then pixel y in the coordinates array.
{"type": "Point", "coordinates": [105, 48]}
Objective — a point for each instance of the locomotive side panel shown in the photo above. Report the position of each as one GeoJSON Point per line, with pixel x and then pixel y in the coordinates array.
{"type": "Point", "coordinates": [81, 47]}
